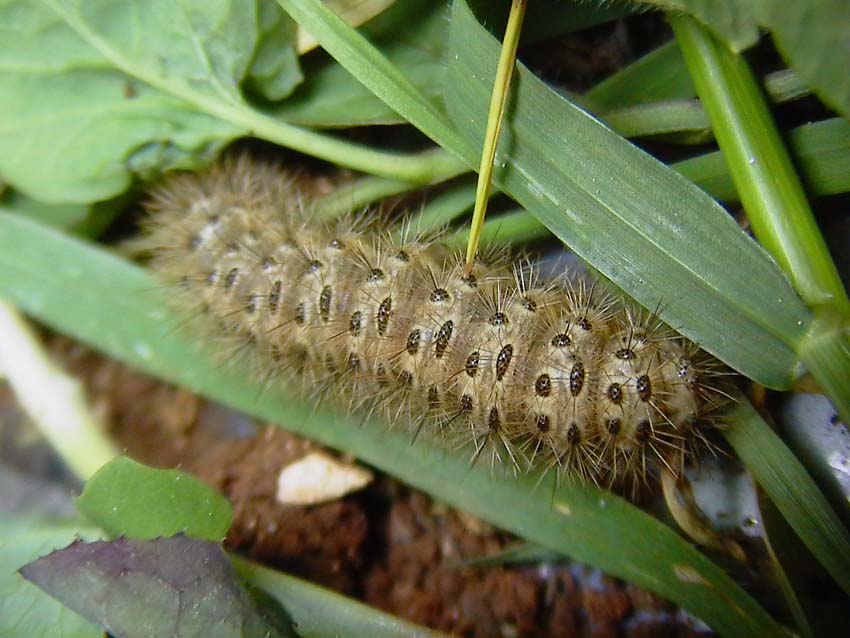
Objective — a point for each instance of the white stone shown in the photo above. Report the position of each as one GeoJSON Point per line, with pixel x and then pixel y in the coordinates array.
{"type": "Point", "coordinates": [319, 478]}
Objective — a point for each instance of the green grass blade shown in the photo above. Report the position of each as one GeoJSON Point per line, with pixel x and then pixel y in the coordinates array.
{"type": "Point", "coordinates": [791, 489]}
{"type": "Point", "coordinates": [684, 118]}
{"type": "Point", "coordinates": [319, 612]}
{"type": "Point", "coordinates": [821, 150]}
{"type": "Point", "coordinates": [376, 71]}
{"type": "Point", "coordinates": [659, 75]}
{"type": "Point", "coordinates": [662, 75]}
{"type": "Point", "coordinates": [120, 309]}
{"type": "Point", "coordinates": [652, 232]}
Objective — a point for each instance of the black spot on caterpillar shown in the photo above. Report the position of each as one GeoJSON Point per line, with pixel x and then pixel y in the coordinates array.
{"type": "Point", "coordinates": [534, 375]}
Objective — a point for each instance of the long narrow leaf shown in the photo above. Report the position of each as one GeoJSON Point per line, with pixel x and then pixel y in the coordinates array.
{"type": "Point", "coordinates": [652, 232]}
{"type": "Point", "coordinates": [120, 309]}
{"type": "Point", "coordinates": [792, 490]}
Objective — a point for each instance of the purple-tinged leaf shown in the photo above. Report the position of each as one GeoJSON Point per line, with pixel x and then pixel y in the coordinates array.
{"type": "Point", "coordinates": [175, 587]}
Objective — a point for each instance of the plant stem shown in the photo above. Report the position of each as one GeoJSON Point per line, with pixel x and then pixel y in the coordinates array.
{"type": "Point", "coordinates": [516, 226]}
{"type": "Point", "coordinates": [498, 99]}
{"type": "Point", "coordinates": [369, 189]}
{"type": "Point", "coordinates": [761, 168]}
{"type": "Point", "coordinates": [54, 401]}
{"type": "Point", "coordinates": [443, 208]}
{"type": "Point", "coordinates": [417, 169]}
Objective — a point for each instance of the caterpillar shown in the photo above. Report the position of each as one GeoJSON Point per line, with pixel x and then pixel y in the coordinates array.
{"type": "Point", "coordinates": [532, 374]}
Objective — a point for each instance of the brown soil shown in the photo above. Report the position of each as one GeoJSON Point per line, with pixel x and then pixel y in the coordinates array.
{"type": "Point", "coordinates": [392, 547]}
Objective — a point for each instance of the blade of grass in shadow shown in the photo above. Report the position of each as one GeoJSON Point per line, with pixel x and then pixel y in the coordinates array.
{"type": "Point", "coordinates": [816, 604]}
{"type": "Point", "coordinates": [662, 75]}
{"type": "Point", "coordinates": [377, 73]}
{"type": "Point", "coordinates": [120, 309]}
{"type": "Point", "coordinates": [320, 612]}
{"type": "Point", "coordinates": [791, 489]}
{"type": "Point", "coordinates": [659, 75]}
{"type": "Point", "coordinates": [821, 150]}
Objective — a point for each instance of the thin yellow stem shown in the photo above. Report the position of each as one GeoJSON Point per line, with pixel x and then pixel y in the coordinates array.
{"type": "Point", "coordinates": [504, 72]}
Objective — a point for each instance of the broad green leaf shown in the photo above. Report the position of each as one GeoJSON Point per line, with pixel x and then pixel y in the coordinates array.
{"type": "Point", "coordinates": [733, 20]}
{"type": "Point", "coordinates": [802, 31]}
{"type": "Point", "coordinates": [179, 587]}
{"type": "Point", "coordinates": [814, 37]}
{"type": "Point", "coordinates": [89, 288]}
{"type": "Point", "coordinates": [791, 489]}
{"type": "Point", "coordinates": [274, 72]}
{"type": "Point", "coordinates": [25, 610]}
{"type": "Point", "coordinates": [94, 92]}
{"type": "Point", "coordinates": [126, 498]}
{"type": "Point", "coordinates": [653, 233]}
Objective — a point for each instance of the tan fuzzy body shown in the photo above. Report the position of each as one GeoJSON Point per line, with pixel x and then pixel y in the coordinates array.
{"type": "Point", "coordinates": [531, 375]}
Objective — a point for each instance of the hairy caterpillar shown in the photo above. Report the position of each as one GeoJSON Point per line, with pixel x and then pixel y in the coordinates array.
{"type": "Point", "coordinates": [534, 375]}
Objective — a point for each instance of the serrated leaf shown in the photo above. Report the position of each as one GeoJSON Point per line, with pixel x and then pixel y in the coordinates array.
{"type": "Point", "coordinates": [126, 498]}
{"type": "Point", "coordinates": [179, 587]}
{"type": "Point", "coordinates": [28, 612]}
{"type": "Point", "coordinates": [803, 32]}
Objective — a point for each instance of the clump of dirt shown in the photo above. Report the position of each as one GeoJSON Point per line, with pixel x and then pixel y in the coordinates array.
{"type": "Point", "coordinates": [428, 575]}
{"type": "Point", "coordinates": [391, 546]}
